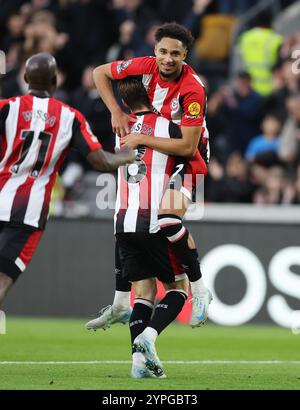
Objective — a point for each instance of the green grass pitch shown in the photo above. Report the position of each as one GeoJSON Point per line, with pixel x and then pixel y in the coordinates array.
{"type": "Point", "coordinates": [55, 340]}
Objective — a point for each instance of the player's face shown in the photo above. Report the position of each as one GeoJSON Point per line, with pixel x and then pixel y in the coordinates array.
{"type": "Point", "coordinates": [170, 54]}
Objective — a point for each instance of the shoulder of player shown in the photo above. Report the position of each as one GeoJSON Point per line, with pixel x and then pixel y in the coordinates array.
{"type": "Point", "coordinates": [191, 81]}
{"type": "Point", "coordinates": [147, 61]}
{"type": "Point", "coordinates": [6, 101]}
{"type": "Point", "coordinates": [71, 110]}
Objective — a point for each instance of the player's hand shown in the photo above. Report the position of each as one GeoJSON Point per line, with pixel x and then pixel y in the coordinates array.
{"type": "Point", "coordinates": [126, 154]}
{"type": "Point", "coordinates": [119, 122]}
{"type": "Point", "coordinates": [132, 140]}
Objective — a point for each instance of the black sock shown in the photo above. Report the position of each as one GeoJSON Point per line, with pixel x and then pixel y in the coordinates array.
{"type": "Point", "coordinates": [140, 317]}
{"type": "Point", "coordinates": [122, 284]}
{"type": "Point", "coordinates": [167, 310]}
{"type": "Point", "coordinates": [177, 235]}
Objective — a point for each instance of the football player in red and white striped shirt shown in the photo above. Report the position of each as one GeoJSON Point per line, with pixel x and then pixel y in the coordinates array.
{"type": "Point", "coordinates": [144, 252]}
{"type": "Point", "coordinates": [177, 93]}
{"type": "Point", "coordinates": [36, 133]}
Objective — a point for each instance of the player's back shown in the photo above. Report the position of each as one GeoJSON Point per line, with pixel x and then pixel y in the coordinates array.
{"type": "Point", "coordinates": [141, 185]}
{"type": "Point", "coordinates": [36, 135]}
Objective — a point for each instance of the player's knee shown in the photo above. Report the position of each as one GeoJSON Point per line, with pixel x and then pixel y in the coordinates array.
{"type": "Point", "coordinates": [145, 289]}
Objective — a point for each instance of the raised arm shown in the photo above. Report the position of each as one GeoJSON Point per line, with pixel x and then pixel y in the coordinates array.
{"type": "Point", "coordinates": [103, 80]}
{"type": "Point", "coordinates": [106, 161]}
{"type": "Point", "coordinates": [183, 147]}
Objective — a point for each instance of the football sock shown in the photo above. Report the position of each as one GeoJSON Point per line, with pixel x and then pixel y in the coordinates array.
{"type": "Point", "coordinates": [198, 286]}
{"type": "Point", "coordinates": [140, 317]}
{"type": "Point", "coordinates": [121, 299]}
{"type": "Point", "coordinates": [167, 310]}
{"type": "Point", "coordinates": [172, 228]}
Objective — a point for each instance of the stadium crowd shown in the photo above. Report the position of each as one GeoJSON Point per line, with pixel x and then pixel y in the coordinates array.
{"type": "Point", "coordinates": [253, 97]}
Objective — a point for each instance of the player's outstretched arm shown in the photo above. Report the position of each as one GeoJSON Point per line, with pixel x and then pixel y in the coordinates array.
{"type": "Point", "coordinates": [106, 161]}
{"type": "Point", "coordinates": [183, 147]}
{"type": "Point", "coordinates": [103, 81]}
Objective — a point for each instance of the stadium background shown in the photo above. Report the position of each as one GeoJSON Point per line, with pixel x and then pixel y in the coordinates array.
{"type": "Point", "coordinates": [248, 233]}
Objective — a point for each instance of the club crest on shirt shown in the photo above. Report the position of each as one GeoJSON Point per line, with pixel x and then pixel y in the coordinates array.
{"type": "Point", "coordinates": [123, 65]}
{"type": "Point", "coordinates": [194, 108]}
{"type": "Point", "coordinates": [174, 104]}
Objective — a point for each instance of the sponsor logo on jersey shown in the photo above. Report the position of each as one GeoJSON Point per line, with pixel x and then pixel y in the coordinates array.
{"type": "Point", "coordinates": [194, 108]}
{"type": "Point", "coordinates": [174, 104]}
{"type": "Point", "coordinates": [123, 65]}
{"type": "Point", "coordinates": [192, 117]}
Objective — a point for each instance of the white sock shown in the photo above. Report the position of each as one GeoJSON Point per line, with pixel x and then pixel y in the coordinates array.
{"type": "Point", "coordinates": [121, 300]}
{"type": "Point", "coordinates": [138, 358]}
{"type": "Point", "coordinates": [150, 333]}
{"type": "Point", "coordinates": [198, 286]}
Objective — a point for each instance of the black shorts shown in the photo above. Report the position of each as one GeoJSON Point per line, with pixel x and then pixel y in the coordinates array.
{"type": "Point", "coordinates": [17, 246]}
{"type": "Point", "coordinates": [146, 256]}
{"type": "Point", "coordinates": [188, 177]}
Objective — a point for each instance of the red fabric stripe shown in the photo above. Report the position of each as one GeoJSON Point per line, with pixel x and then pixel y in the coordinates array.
{"type": "Point", "coordinates": [54, 110]}
{"type": "Point", "coordinates": [25, 105]}
{"type": "Point", "coordinates": [30, 247]}
{"type": "Point", "coordinates": [174, 262]}
{"type": "Point", "coordinates": [49, 188]}
{"type": "Point", "coordinates": [145, 185]}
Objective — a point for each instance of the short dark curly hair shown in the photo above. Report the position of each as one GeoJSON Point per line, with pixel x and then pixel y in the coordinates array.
{"type": "Point", "coordinates": [176, 31]}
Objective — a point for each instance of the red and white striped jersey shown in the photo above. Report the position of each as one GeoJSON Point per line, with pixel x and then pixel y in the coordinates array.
{"type": "Point", "coordinates": [182, 101]}
{"type": "Point", "coordinates": [35, 137]}
{"type": "Point", "coordinates": [141, 185]}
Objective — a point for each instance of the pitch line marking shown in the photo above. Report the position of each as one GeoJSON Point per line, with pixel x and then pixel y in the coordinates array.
{"type": "Point", "coordinates": [188, 362]}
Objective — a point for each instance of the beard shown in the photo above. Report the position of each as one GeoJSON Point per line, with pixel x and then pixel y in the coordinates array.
{"type": "Point", "coordinates": [167, 74]}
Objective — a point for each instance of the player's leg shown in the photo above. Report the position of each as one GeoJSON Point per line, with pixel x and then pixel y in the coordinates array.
{"type": "Point", "coordinates": [162, 260]}
{"type": "Point", "coordinates": [5, 283]}
{"type": "Point", "coordinates": [173, 207]}
{"type": "Point", "coordinates": [120, 310]}
{"type": "Point", "coordinates": [144, 291]}
{"type": "Point", "coordinates": [17, 246]}
{"type": "Point", "coordinates": [165, 313]}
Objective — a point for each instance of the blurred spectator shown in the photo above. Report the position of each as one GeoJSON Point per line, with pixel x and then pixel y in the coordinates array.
{"type": "Point", "coordinates": [268, 142]}
{"type": "Point", "coordinates": [86, 99]}
{"type": "Point", "coordinates": [259, 48]}
{"type": "Point", "coordinates": [290, 147]}
{"type": "Point", "coordinates": [234, 7]}
{"type": "Point", "coordinates": [229, 184]}
{"type": "Point", "coordinates": [240, 109]}
{"type": "Point", "coordinates": [13, 83]}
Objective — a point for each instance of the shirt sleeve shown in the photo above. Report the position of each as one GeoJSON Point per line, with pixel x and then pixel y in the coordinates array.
{"type": "Point", "coordinates": [194, 108]}
{"type": "Point", "coordinates": [82, 137]}
{"type": "Point", "coordinates": [136, 66]}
